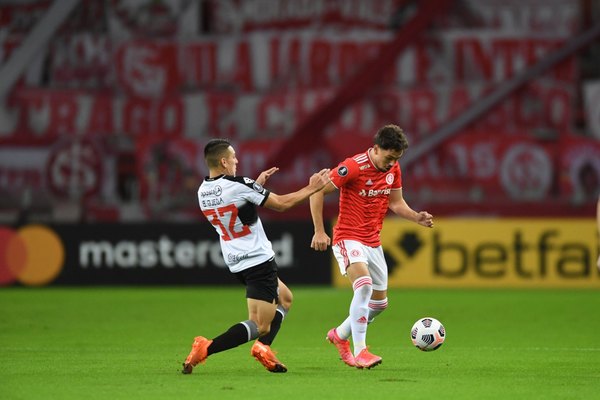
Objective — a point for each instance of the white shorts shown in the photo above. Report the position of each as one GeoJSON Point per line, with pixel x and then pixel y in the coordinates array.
{"type": "Point", "coordinates": [347, 252]}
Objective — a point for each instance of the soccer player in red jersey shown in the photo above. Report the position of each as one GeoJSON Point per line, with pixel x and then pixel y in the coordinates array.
{"type": "Point", "coordinates": [369, 182]}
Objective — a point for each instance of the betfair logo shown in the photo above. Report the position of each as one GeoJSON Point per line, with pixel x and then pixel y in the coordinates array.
{"type": "Point", "coordinates": [33, 255]}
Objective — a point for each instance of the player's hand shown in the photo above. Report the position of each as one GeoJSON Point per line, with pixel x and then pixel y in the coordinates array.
{"type": "Point", "coordinates": [319, 180]}
{"type": "Point", "coordinates": [320, 241]}
{"type": "Point", "coordinates": [265, 175]}
{"type": "Point", "coordinates": [425, 219]}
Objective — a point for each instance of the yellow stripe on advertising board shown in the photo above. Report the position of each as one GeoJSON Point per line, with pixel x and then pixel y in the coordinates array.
{"type": "Point", "coordinates": [485, 253]}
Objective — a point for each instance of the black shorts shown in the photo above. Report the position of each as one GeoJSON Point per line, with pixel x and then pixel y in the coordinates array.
{"type": "Point", "coordinates": [261, 281]}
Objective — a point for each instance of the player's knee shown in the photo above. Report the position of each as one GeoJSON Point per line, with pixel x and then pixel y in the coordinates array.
{"type": "Point", "coordinates": [363, 286]}
{"type": "Point", "coordinates": [286, 299]}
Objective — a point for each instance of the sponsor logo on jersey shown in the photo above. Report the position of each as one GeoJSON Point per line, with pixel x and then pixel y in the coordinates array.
{"type": "Point", "coordinates": [214, 191]}
{"type": "Point", "coordinates": [248, 180]}
{"type": "Point", "coordinates": [236, 258]}
{"type": "Point", "coordinates": [373, 193]}
{"type": "Point", "coordinates": [342, 170]}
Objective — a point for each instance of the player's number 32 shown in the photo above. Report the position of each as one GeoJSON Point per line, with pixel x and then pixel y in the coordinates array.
{"type": "Point", "coordinates": [225, 218]}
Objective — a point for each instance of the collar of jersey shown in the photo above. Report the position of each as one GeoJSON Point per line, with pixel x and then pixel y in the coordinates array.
{"type": "Point", "coordinates": [215, 178]}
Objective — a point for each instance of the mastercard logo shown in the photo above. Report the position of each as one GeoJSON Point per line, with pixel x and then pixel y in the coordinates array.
{"type": "Point", "coordinates": [33, 255]}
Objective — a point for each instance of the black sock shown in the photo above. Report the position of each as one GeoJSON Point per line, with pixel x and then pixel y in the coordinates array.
{"type": "Point", "coordinates": [275, 325]}
{"type": "Point", "coordinates": [236, 335]}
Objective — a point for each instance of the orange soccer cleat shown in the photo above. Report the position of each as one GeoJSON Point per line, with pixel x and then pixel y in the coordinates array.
{"type": "Point", "coordinates": [266, 357]}
{"type": "Point", "coordinates": [343, 347]}
{"type": "Point", "coordinates": [197, 355]}
{"type": "Point", "coordinates": [364, 359]}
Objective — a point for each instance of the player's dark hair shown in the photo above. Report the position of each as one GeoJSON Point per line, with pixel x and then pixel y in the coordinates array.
{"type": "Point", "coordinates": [391, 137]}
{"type": "Point", "coordinates": [214, 150]}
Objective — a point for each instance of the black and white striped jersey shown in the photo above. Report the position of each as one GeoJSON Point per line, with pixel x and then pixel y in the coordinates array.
{"type": "Point", "coordinates": [229, 203]}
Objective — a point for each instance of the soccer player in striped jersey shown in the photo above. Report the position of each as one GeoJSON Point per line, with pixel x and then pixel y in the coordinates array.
{"type": "Point", "coordinates": [369, 182]}
{"type": "Point", "coordinates": [229, 203]}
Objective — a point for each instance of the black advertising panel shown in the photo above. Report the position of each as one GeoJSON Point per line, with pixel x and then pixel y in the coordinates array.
{"type": "Point", "coordinates": [146, 254]}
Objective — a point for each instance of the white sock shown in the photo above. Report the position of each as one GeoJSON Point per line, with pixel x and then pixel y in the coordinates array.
{"type": "Point", "coordinates": [376, 307]}
{"type": "Point", "coordinates": [359, 312]}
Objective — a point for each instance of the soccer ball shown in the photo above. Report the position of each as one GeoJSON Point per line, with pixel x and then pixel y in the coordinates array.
{"type": "Point", "coordinates": [428, 334]}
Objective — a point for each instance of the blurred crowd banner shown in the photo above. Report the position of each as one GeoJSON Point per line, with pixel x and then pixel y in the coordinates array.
{"type": "Point", "coordinates": [144, 254]}
{"type": "Point", "coordinates": [264, 85]}
{"type": "Point", "coordinates": [108, 121]}
{"type": "Point", "coordinates": [486, 253]}
{"type": "Point", "coordinates": [474, 168]}
{"type": "Point", "coordinates": [591, 91]}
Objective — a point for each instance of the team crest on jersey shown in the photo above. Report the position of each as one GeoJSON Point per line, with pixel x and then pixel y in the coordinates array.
{"type": "Point", "coordinates": [342, 171]}
{"type": "Point", "coordinates": [389, 178]}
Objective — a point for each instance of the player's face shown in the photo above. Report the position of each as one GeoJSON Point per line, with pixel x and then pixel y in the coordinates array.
{"type": "Point", "coordinates": [230, 162]}
{"type": "Point", "coordinates": [384, 160]}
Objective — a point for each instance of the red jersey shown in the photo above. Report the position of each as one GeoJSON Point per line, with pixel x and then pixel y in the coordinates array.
{"type": "Point", "coordinates": [364, 198]}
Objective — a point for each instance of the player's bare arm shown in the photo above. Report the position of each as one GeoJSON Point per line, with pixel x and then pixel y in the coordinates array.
{"type": "Point", "coordinates": [399, 206]}
{"type": "Point", "coordinates": [320, 239]}
{"type": "Point", "coordinates": [285, 202]}
{"type": "Point", "coordinates": [265, 175]}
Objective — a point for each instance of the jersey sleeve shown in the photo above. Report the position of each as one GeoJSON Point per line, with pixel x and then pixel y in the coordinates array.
{"type": "Point", "coordinates": [254, 192]}
{"type": "Point", "coordinates": [397, 184]}
{"type": "Point", "coordinates": [345, 172]}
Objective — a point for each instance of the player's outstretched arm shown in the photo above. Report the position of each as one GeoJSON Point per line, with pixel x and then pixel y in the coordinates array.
{"type": "Point", "coordinates": [285, 202]}
{"type": "Point", "coordinates": [320, 239]}
{"type": "Point", "coordinates": [399, 206]}
{"type": "Point", "coordinates": [265, 175]}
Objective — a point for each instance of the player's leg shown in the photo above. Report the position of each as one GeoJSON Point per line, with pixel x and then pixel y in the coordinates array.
{"type": "Point", "coordinates": [362, 286]}
{"type": "Point", "coordinates": [285, 302]}
{"type": "Point", "coordinates": [262, 294]}
{"type": "Point", "coordinates": [359, 313]}
{"type": "Point", "coordinates": [379, 274]}
{"type": "Point", "coordinates": [262, 298]}
{"type": "Point", "coordinates": [348, 253]}
{"type": "Point", "coordinates": [236, 335]}
{"type": "Point", "coordinates": [379, 302]}
{"type": "Point", "coordinates": [264, 313]}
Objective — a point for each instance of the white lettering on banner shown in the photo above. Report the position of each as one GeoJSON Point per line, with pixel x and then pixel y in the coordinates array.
{"type": "Point", "coordinates": [81, 60]}
{"type": "Point", "coordinates": [311, 61]}
{"type": "Point", "coordinates": [22, 167]}
{"type": "Point", "coordinates": [46, 114]}
{"type": "Point", "coordinates": [235, 16]}
{"type": "Point", "coordinates": [528, 15]}
{"type": "Point", "coordinates": [504, 166]}
{"type": "Point", "coordinates": [167, 253]}
{"type": "Point", "coordinates": [145, 79]}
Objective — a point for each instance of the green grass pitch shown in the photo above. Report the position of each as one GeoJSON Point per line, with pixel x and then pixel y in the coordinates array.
{"type": "Point", "coordinates": [128, 343]}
